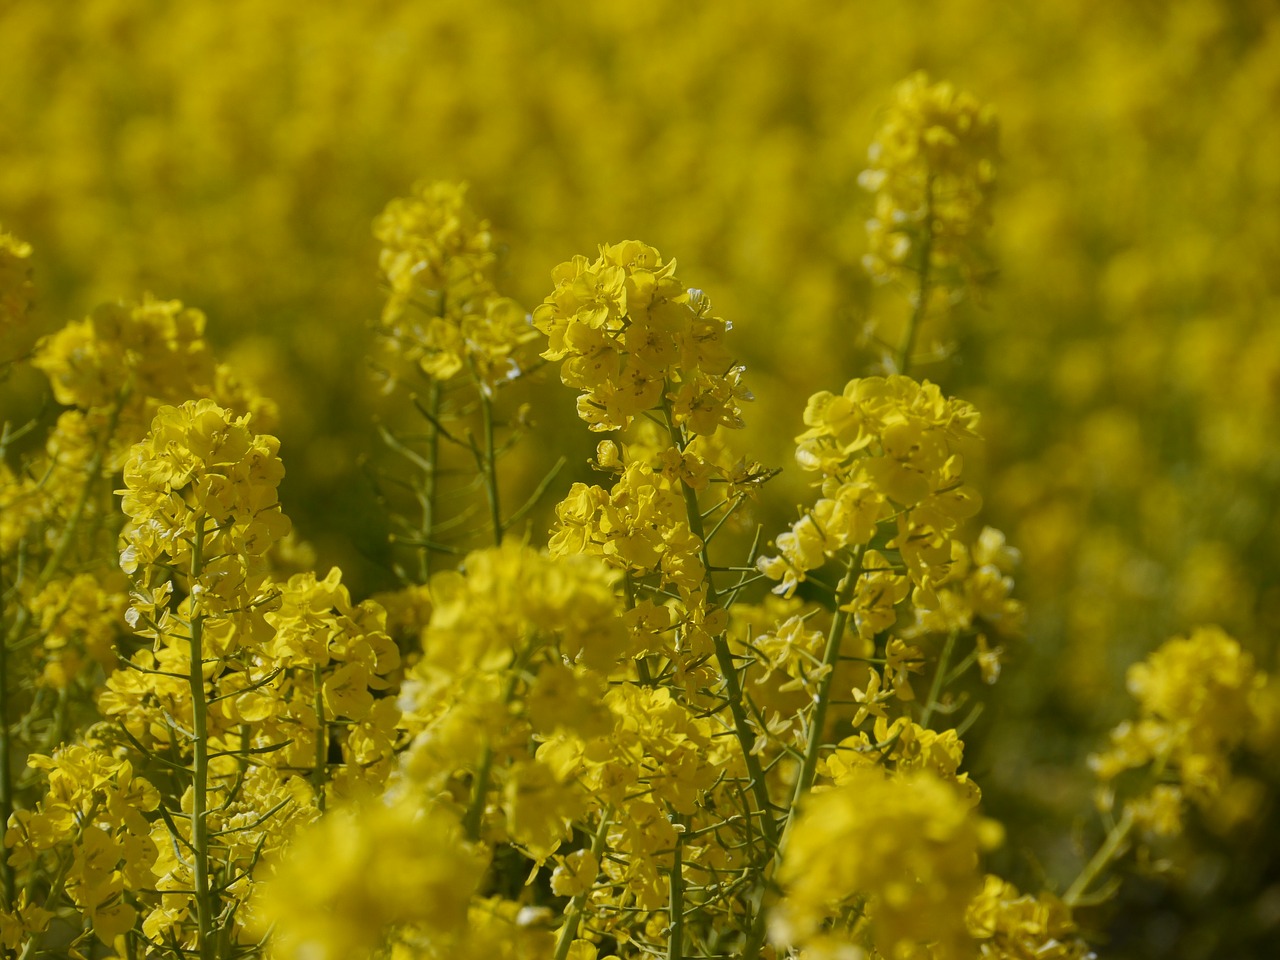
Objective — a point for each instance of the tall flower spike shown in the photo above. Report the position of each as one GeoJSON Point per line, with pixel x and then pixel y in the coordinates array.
{"type": "Point", "coordinates": [443, 312]}
{"type": "Point", "coordinates": [932, 171]}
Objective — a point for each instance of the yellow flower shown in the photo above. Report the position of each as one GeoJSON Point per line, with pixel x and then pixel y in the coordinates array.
{"type": "Point", "coordinates": [1011, 926]}
{"type": "Point", "coordinates": [575, 874]}
{"type": "Point", "coordinates": [932, 171]}
{"type": "Point", "coordinates": [903, 846]}
{"type": "Point", "coordinates": [361, 870]}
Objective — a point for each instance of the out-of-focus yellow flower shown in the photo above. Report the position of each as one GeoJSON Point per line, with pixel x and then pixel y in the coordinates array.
{"type": "Point", "coordinates": [932, 170]}
{"type": "Point", "coordinates": [1009, 925]}
{"type": "Point", "coordinates": [362, 870]}
{"type": "Point", "coordinates": [901, 850]}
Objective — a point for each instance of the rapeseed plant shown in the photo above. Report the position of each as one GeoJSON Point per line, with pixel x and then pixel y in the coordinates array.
{"type": "Point", "coordinates": [605, 739]}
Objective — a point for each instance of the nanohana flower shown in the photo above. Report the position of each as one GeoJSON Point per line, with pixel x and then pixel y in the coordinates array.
{"type": "Point", "coordinates": [632, 338]}
{"type": "Point", "coordinates": [901, 850]}
{"type": "Point", "coordinates": [932, 171]}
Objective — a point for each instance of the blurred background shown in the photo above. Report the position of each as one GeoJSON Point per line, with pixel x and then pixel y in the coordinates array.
{"type": "Point", "coordinates": [1126, 357]}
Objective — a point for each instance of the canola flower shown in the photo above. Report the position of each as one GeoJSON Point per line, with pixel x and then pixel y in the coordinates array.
{"type": "Point", "coordinates": [914, 876]}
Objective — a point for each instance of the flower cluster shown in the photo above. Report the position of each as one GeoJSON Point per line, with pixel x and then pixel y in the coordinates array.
{"type": "Point", "coordinates": [517, 649]}
{"type": "Point", "coordinates": [634, 339]}
{"type": "Point", "coordinates": [77, 617]}
{"type": "Point", "coordinates": [890, 450]}
{"type": "Point", "coordinates": [443, 313]}
{"type": "Point", "coordinates": [1199, 697]}
{"type": "Point", "coordinates": [1009, 925]}
{"type": "Point", "coordinates": [200, 492]}
{"type": "Point", "coordinates": [361, 870]}
{"type": "Point", "coordinates": [910, 882]}
{"type": "Point", "coordinates": [932, 171]}
{"type": "Point", "coordinates": [152, 352]}
{"type": "Point", "coordinates": [96, 806]}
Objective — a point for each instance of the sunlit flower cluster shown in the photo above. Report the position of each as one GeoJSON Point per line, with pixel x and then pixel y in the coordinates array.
{"type": "Point", "coordinates": [633, 339]}
{"type": "Point", "coordinates": [889, 450]}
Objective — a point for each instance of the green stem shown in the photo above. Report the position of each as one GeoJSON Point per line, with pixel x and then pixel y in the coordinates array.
{"type": "Point", "coordinates": [935, 691]}
{"type": "Point", "coordinates": [200, 762]}
{"type": "Point", "coordinates": [475, 812]}
{"type": "Point", "coordinates": [1112, 848]}
{"type": "Point", "coordinates": [573, 917]}
{"type": "Point", "coordinates": [724, 658]}
{"type": "Point", "coordinates": [490, 466]}
{"type": "Point", "coordinates": [320, 772]}
{"type": "Point", "coordinates": [430, 481]}
{"type": "Point", "coordinates": [822, 701]}
{"type": "Point", "coordinates": [675, 909]}
{"type": "Point", "coordinates": [813, 745]}
{"type": "Point", "coordinates": [922, 291]}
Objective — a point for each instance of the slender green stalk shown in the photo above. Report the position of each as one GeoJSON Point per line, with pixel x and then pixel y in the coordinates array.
{"type": "Point", "coordinates": [490, 466]}
{"type": "Point", "coordinates": [480, 787]}
{"type": "Point", "coordinates": [430, 481]}
{"type": "Point", "coordinates": [205, 912]}
{"type": "Point", "coordinates": [921, 306]}
{"type": "Point", "coordinates": [6, 780]}
{"type": "Point", "coordinates": [935, 691]}
{"type": "Point", "coordinates": [822, 700]}
{"type": "Point", "coordinates": [320, 772]}
{"type": "Point", "coordinates": [813, 744]}
{"type": "Point", "coordinates": [573, 914]}
{"type": "Point", "coordinates": [479, 790]}
{"type": "Point", "coordinates": [724, 658]}
{"type": "Point", "coordinates": [675, 909]}
{"type": "Point", "coordinates": [1112, 848]}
